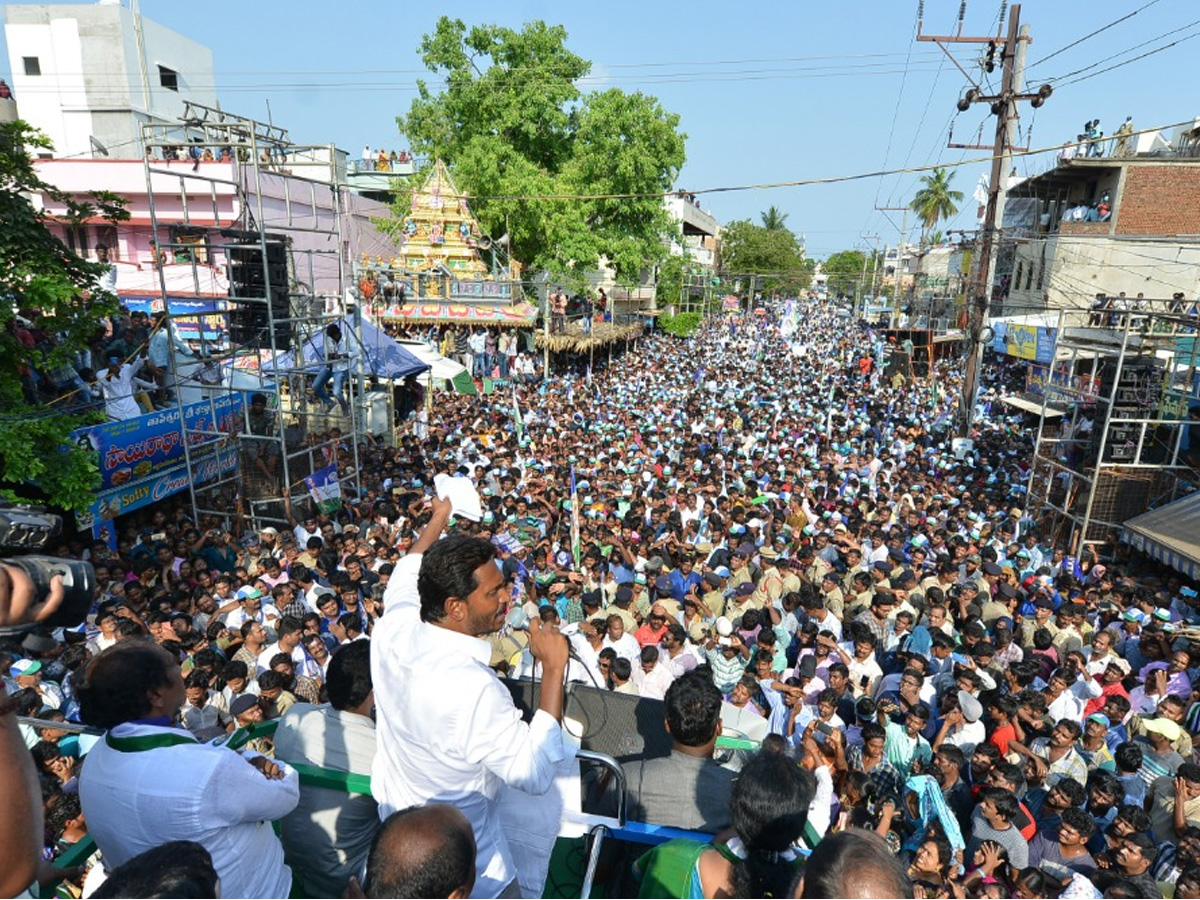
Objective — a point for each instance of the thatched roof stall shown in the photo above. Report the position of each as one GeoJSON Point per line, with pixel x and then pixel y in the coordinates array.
{"type": "Point", "coordinates": [573, 339]}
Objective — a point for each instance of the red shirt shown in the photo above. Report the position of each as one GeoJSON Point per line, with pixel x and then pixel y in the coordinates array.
{"type": "Point", "coordinates": [647, 636]}
{"type": "Point", "coordinates": [1001, 736]}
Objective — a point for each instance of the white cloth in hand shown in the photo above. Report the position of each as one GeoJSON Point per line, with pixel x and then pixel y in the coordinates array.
{"type": "Point", "coordinates": [464, 499]}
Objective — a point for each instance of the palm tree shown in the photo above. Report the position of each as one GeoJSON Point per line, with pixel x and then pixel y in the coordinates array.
{"type": "Point", "coordinates": [773, 219]}
{"type": "Point", "coordinates": [935, 200]}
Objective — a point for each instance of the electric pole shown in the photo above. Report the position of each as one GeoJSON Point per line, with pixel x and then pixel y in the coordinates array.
{"type": "Point", "coordinates": [899, 245]}
{"type": "Point", "coordinates": [1011, 50]}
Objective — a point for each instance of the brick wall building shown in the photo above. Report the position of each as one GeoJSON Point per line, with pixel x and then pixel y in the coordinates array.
{"type": "Point", "coordinates": [1148, 243]}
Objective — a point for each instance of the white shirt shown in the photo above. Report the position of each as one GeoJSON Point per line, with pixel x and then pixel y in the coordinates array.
{"type": "Point", "coordinates": [590, 657]}
{"type": "Point", "coordinates": [967, 736]}
{"type": "Point", "coordinates": [326, 838]}
{"type": "Point", "coordinates": [447, 729]}
{"type": "Point", "coordinates": [626, 648]}
{"type": "Point", "coordinates": [134, 801]}
{"type": "Point", "coordinates": [820, 810]}
{"type": "Point", "coordinates": [335, 354]}
{"type": "Point", "coordinates": [118, 390]}
{"type": "Point", "coordinates": [653, 685]}
{"type": "Point", "coordinates": [1070, 703]}
{"type": "Point", "coordinates": [236, 618]}
{"type": "Point", "coordinates": [301, 661]}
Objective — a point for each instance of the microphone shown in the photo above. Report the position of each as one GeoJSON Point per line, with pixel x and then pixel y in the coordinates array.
{"type": "Point", "coordinates": [517, 620]}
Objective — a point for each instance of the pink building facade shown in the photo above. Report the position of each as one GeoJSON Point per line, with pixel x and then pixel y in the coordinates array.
{"type": "Point", "coordinates": [178, 241]}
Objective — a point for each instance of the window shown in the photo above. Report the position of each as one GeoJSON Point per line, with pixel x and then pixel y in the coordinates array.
{"type": "Point", "coordinates": [33, 65]}
{"type": "Point", "coordinates": [77, 239]}
{"type": "Point", "coordinates": [1016, 282]}
{"type": "Point", "coordinates": [107, 235]}
{"type": "Point", "coordinates": [190, 245]}
{"type": "Point", "coordinates": [168, 78]}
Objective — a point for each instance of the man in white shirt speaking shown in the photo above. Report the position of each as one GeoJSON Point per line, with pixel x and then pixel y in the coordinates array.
{"type": "Point", "coordinates": [447, 729]}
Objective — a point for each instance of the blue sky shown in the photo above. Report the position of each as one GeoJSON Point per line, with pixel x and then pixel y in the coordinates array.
{"type": "Point", "coordinates": [766, 93]}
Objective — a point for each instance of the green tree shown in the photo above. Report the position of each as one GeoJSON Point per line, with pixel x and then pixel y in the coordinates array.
{"type": "Point", "coordinates": [843, 271]}
{"type": "Point", "coordinates": [519, 133]}
{"type": "Point", "coordinates": [668, 286]}
{"type": "Point", "coordinates": [42, 279]}
{"type": "Point", "coordinates": [681, 324]}
{"type": "Point", "coordinates": [773, 219]}
{"type": "Point", "coordinates": [774, 255]}
{"type": "Point", "coordinates": [936, 200]}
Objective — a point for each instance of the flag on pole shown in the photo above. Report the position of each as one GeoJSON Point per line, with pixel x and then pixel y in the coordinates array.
{"type": "Point", "coordinates": [576, 545]}
{"type": "Point", "coordinates": [517, 416]}
{"type": "Point", "coordinates": [325, 489]}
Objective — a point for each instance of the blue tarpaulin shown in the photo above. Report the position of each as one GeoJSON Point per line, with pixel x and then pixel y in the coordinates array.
{"type": "Point", "coordinates": [381, 355]}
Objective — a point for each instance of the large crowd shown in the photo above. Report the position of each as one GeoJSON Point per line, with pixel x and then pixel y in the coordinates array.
{"type": "Point", "coordinates": [765, 526]}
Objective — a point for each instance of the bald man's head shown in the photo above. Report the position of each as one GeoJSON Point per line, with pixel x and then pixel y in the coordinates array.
{"type": "Point", "coordinates": [422, 851]}
{"type": "Point", "coordinates": [853, 864]}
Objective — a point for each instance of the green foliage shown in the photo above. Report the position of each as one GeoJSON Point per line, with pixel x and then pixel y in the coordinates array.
{"type": "Point", "coordinates": [774, 254]}
{"type": "Point", "coordinates": [773, 219]}
{"type": "Point", "coordinates": [513, 125]}
{"type": "Point", "coordinates": [41, 277]}
{"type": "Point", "coordinates": [843, 271]}
{"type": "Point", "coordinates": [669, 284]}
{"type": "Point", "coordinates": [935, 200]}
{"type": "Point", "coordinates": [680, 325]}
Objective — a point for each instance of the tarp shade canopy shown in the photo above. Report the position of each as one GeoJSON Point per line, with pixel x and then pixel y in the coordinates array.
{"type": "Point", "coordinates": [1031, 406]}
{"type": "Point", "coordinates": [1170, 534]}
{"type": "Point", "coordinates": [441, 368]}
{"type": "Point", "coordinates": [381, 355]}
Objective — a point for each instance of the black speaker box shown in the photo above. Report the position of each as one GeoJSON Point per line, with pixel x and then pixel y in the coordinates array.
{"type": "Point", "coordinates": [249, 320]}
{"type": "Point", "coordinates": [624, 727]}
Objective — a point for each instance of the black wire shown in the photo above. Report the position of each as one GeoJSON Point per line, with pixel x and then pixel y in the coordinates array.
{"type": "Point", "coordinates": [1134, 59]}
{"type": "Point", "coordinates": [1076, 43]}
{"type": "Point", "coordinates": [1097, 64]}
{"type": "Point", "coordinates": [603, 691]}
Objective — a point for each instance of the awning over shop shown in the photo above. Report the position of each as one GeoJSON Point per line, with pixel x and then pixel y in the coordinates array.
{"type": "Point", "coordinates": [1031, 406]}
{"type": "Point", "coordinates": [520, 315]}
{"type": "Point", "coordinates": [1171, 534]}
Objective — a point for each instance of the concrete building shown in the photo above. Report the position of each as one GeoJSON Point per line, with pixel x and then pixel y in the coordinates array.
{"type": "Point", "coordinates": [901, 262]}
{"type": "Point", "coordinates": [92, 77]}
{"type": "Point", "coordinates": [1107, 225]}
{"type": "Point", "coordinates": [89, 75]}
{"type": "Point", "coordinates": [700, 230]}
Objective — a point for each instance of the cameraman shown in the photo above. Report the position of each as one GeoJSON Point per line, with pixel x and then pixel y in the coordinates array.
{"type": "Point", "coordinates": [21, 828]}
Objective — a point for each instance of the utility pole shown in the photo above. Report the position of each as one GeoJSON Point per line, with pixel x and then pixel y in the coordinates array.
{"type": "Point", "coordinates": [899, 246]}
{"type": "Point", "coordinates": [1011, 50]}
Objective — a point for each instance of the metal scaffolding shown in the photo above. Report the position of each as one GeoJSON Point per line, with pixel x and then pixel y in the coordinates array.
{"type": "Point", "coordinates": [1126, 374]}
{"type": "Point", "coordinates": [241, 203]}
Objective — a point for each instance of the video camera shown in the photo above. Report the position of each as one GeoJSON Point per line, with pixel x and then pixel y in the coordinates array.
{"type": "Point", "coordinates": [24, 530]}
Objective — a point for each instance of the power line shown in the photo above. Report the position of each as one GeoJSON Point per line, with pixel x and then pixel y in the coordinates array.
{"type": "Point", "coordinates": [1092, 34]}
{"type": "Point", "coordinates": [702, 77]}
{"type": "Point", "coordinates": [549, 66]}
{"type": "Point", "coordinates": [1133, 60]}
{"type": "Point", "coordinates": [1120, 53]}
{"type": "Point", "coordinates": [804, 182]}
{"type": "Point", "coordinates": [912, 42]}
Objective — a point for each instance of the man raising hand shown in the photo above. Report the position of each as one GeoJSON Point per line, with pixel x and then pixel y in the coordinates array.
{"type": "Point", "coordinates": [448, 731]}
